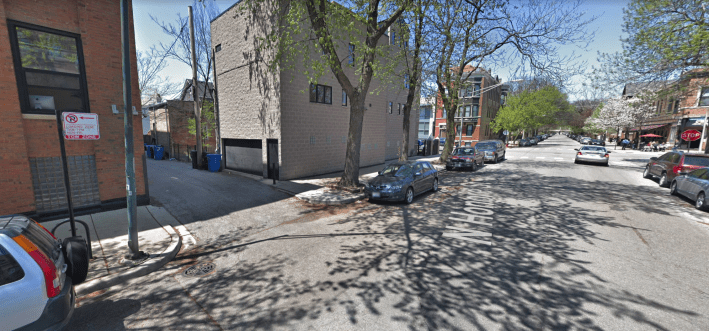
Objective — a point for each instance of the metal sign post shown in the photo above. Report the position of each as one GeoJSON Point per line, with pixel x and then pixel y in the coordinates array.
{"type": "Point", "coordinates": [65, 168]}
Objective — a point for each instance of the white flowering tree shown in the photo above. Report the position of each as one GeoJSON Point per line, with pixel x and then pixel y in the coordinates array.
{"type": "Point", "coordinates": [622, 113]}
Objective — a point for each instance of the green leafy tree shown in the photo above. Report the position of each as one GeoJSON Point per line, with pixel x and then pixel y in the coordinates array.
{"type": "Point", "coordinates": [532, 110]}
{"type": "Point", "coordinates": [208, 123]}
{"type": "Point", "coordinates": [665, 38]}
{"type": "Point", "coordinates": [315, 36]}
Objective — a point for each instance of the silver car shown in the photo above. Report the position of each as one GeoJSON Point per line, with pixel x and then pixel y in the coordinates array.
{"type": "Point", "coordinates": [693, 185]}
{"type": "Point", "coordinates": [592, 154]}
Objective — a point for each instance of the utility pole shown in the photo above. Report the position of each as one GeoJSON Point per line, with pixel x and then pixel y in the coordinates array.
{"type": "Point", "coordinates": [132, 206]}
{"type": "Point", "coordinates": [195, 93]}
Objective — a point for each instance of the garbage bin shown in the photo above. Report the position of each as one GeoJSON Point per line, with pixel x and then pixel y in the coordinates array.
{"type": "Point", "coordinates": [159, 151]}
{"type": "Point", "coordinates": [214, 162]}
{"type": "Point", "coordinates": [193, 157]}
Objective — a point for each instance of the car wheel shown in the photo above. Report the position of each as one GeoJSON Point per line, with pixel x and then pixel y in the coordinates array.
{"type": "Point", "coordinates": [474, 167]}
{"type": "Point", "coordinates": [673, 188]}
{"type": "Point", "coordinates": [76, 255]}
{"type": "Point", "coordinates": [663, 180]}
{"type": "Point", "coordinates": [646, 173]}
{"type": "Point", "coordinates": [700, 203]}
{"type": "Point", "coordinates": [576, 161]}
{"type": "Point", "coordinates": [606, 163]}
{"type": "Point", "coordinates": [435, 185]}
{"type": "Point", "coordinates": [494, 160]}
{"type": "Point", "coordinates": [448, 168]}
{"type": "Point", "coordinates": [504, 156]}
{"type": "Point", "coordinates": [409, 198]}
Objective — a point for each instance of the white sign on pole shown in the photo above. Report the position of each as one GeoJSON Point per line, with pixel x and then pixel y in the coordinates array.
{"type": "Point", "coordinates": [505, 132]}
{"type": "Point", "coordinates": [80, 126]}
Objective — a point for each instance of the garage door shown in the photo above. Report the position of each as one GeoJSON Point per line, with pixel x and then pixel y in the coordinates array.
{"type": "Point", "coordinates": [244, 155]}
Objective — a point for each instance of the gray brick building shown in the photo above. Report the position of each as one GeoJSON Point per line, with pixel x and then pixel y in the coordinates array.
{"type": "Point", "coordinates": [266, 116]}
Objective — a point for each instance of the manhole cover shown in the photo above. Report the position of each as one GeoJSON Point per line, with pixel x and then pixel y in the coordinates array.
{"type": "Point", "coordinates": [200, 270]}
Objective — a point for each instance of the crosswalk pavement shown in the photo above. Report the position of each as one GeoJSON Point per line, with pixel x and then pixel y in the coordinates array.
{"type": "Point", "coordinates": [613, 162]}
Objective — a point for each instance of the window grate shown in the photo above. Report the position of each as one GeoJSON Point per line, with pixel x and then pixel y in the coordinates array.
{"type": "Point", "coordinates": [48, 182]}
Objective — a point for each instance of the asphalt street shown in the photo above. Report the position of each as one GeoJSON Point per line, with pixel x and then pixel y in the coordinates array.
{"type": "Point", "coordinates": [534, 242]}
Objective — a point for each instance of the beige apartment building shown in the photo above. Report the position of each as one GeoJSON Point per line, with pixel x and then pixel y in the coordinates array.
{"type": "Point", "coordinates": [277, 124]}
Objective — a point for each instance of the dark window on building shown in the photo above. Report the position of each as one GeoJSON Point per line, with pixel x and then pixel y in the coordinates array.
{"type": "Point", "coordinates": [320, 94]}
{"type": "Point", "coordinates": [406, 80]}
{"type": "Point", "coordinates": [401, 108]}
{"type": "Point", "coordinates": [344, 98]}
{"type": "Point", "coordinates": [457, 129]}
{"type": "Point", "coordinates": [469, 130]}
{"type": "Point", "coordinates": [704, 97]}
{"type": "Point", "coordinates": [217, 48]}
{"type": "Point", "coordinates": [466, 111]}
{"type": "Point", "coordinates": [49, 67]}
{"type": "Point", "coordinates": [391, 105]}
{"type": "Point", "coordinates": [351, 60]}
{"type": "Point", "coordinates": [675, 110]}
{"type": "Point", "coordinates": [393, 36]}
{"type": "Point", "coordinates": [476, 110]}
{"type": "Point", "coordinates": [443, 111]}
{"type": "Point", "coordinates": [670, 105]}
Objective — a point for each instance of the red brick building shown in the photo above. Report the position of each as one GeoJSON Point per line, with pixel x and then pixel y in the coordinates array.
{"type": "Point", "coordinates": [477, 109]}
{"type": "Point", "coordinates": [63, 55]}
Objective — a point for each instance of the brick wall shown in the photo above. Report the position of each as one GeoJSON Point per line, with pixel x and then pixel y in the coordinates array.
{"type": "Point", "coordinates": [98, 23]}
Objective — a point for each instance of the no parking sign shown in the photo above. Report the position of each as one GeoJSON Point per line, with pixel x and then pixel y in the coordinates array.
{"type": "Point", "coordinates": [80, 126]}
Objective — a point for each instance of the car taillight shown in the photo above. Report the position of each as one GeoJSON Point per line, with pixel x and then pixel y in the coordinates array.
{"type": "Point", "coordinates": [52, 276]}
{"type": "Point", "coordinates": [606, 155]}
{"type": "Point", "coordinates": [579, 153]}
{"type": "Point", "coordinates": [677, 169]}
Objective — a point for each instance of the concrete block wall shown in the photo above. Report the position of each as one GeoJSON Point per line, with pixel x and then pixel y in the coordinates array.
{"type": "Point", "coordinates": [249, 94]}
{"type": "Point", "coordinates": [26, 136]}
{"type": "Point", "coordinates": [255, 104]}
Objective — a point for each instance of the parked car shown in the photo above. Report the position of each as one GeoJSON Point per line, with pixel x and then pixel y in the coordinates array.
{"type": "Point", "coordinates": [585, 140]}
{"type": "Point", "coordinates": [492, 150]}
{"type": "Point", "coordinates": [597, 142]}
{"type": "Point", "coordinates": [402, 181]}
{"type": "Point", "coordinates": [524, 143]}
{"type": "Point", "coordinates": [694, 185]}
{"type": "Point", "coordinates": [466, 157]}
{"type": "Point", "coordinates": [539, 138]}
{"type": "Point", "coordinates": [592, 154]}
{"type": "Point", "coordinates": [673, 164]}
{"type": "Point", "coordinates": [37, 275]}
{"type": "Point", "coordinates": [532, 141]}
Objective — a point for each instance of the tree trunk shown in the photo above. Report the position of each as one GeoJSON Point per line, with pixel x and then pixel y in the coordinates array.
{"type": "Point", "coordinates": [350, 178]}
{"type": "Point", "coordinates": [404, 153]}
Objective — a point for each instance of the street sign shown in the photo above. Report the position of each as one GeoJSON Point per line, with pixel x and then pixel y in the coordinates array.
{"type": "Point", "coordinates": [691, 135]}
{"type": "Point", "coordinates": [505, 132]}
{"type": "Point", "coordinates": [80, 126]}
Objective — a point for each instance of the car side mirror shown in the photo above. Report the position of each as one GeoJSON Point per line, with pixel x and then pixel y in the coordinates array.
{"type": "Point", "coordinates": [608, 152]}
{"type": "Point", "coordinates": [379, 172]}
{"type": "Point", "coordinates": [417, 174]}
{"type": "Point", "coordinates": [576, 149]}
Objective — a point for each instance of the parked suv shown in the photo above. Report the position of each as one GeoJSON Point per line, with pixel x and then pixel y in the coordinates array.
{"type": "Point", "coordinates": [36, 269]}
{"type": "Point", "coordinates": [673, 164]}
{"type": "Point", "coordinates": [492, 150]}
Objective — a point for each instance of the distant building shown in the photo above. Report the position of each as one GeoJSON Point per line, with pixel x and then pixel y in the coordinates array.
{"type": "Point", "coordinates": [476, 109]}
{"type": "Point", "coordinates": [169, 122]}
{"type": "Point", "coordinates": [427, 118]}
{"type": "Point", "coordinates": [277, 124]}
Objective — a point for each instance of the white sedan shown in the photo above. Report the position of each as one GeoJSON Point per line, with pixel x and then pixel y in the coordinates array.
{"type": "Point", "coordinates": [592, 154]}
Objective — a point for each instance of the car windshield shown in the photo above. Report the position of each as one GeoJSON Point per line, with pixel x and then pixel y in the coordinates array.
{"type": "Point", "coordinates": [464, 151]}
{"type": "Point", "coordinates": [696, 161]}
{"type": "Point", "coordinates": [396, 170]}
{"type": "Point", "coordinates": [486, 146]}
{"type": "Point", "coordinates": [593, 149]}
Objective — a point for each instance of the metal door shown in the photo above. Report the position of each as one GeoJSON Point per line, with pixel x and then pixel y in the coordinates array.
{"type": "Point", "coordinates": [272, 158]}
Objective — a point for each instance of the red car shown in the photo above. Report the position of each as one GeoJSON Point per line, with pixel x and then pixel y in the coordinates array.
{"type": "Point", "coordinates": [673, 164]}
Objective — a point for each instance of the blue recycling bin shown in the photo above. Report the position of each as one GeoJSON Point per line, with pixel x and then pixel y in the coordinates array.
{"type": "Point", "coordinates": [159, 151]}
{"type": "Point", "coordinates": [149, 151]}
{"type": "Point", "coordinates": [214, 162]}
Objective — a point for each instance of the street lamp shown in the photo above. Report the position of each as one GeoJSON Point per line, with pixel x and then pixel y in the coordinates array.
{"type": "Point", "coordinates": [480, 92]}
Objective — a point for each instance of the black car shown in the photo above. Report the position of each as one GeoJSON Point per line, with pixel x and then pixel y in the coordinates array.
{"type": "Point", "coordinates": [597, 142]}
{"type": "Point", "coordinates": [401, 181]}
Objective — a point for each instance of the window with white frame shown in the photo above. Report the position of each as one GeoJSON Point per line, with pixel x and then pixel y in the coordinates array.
{"type": "Point", "coordinates": [704, 97]}
{"type": "Point", "coordinates": [344, 98]}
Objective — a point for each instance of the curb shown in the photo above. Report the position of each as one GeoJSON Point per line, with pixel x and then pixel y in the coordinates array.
{"type": "Point", "coordinates": [323, 200]}
{"type": "Point", "coordinates": [135, 272]}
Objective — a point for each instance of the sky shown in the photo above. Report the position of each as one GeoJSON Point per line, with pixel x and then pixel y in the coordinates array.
{"type": "Point", "coordinates": [607, 28]}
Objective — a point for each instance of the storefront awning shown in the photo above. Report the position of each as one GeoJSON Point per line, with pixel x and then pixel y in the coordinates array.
{"type": "Point", "coordinates": [695, 121]}
{"type": "Point", "coordinates": [649, 127]}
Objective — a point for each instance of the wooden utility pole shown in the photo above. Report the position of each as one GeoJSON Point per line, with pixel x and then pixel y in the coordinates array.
{"type": "Point", "coordinates": [195, 93]}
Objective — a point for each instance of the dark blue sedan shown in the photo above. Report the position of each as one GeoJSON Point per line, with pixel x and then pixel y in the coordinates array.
{"type": "Point", "coordinates": [401, 181]}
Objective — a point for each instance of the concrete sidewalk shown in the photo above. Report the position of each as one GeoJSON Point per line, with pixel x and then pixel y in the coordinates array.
{"type": "Point", "coordinates": [315, 189]}
{"type": "Point", "coordinates": [159, 234]}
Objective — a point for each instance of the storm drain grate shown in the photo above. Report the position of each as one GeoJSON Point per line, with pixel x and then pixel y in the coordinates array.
{"type": "Point", "coordinates": [200, 270]}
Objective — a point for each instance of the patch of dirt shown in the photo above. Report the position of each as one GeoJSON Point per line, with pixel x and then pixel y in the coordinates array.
{"type": "Point", "coordinates": [335, 187]}
{"type": "Point", "coordinates": [318, 211]}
